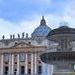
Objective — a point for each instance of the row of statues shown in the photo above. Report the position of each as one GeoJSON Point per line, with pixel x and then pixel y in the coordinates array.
{"type": "Point", "coordinates": [13, 36]}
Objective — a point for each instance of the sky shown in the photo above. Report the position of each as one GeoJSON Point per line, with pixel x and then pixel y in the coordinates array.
{"type": "Point", "coordinates": [17, 16]}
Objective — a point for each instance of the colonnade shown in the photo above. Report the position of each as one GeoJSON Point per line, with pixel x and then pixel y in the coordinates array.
{"type": "Point", "coordinates": [11, 64]}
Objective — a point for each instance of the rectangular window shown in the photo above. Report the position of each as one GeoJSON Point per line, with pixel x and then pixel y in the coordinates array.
{"type": "Point", "coordinates": [39, 69]}
{"type": "Point", "coordinates": [6, 70]}
{"type": "Point", "coordinates": [29, 56]}
{"type": "Point", "coordinates": [29, 71]}
{"type": "Point", "coordinates": [15, 71]}
{"type": "Point", "coordinates": [22, 69]}
{"type": "Point", "coordinates": [15, 58]}
{"type": "Point", "coordinates": [6, 57]}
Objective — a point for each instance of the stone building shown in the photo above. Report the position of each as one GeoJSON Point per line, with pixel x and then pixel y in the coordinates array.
{"type": "Point", "coordinates": [20, 56]}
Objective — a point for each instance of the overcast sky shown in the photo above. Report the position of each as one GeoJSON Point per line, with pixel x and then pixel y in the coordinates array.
{"type": "Point", "coordinates": [17, 16]}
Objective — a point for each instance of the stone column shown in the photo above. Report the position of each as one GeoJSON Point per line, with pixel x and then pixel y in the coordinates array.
{"type": "Point", "coordinates": [12, 67]}
{"type": "Point", "coordinates": [18, 65]}
{"type": "Point", "coordinates": [35, 63]}
{"type": "Point", "coordinates": [50, 69]}
{"type": "Point", "coordinates": [45, 69]}
{"type": "Point", "coordinates": [26, 64]}
{"type": "Point", "coordinates": [10, 64]}
{"type": "Point", "coordinates": [32, 64]}
{"type": "Point", "coordinates": [2, 64]}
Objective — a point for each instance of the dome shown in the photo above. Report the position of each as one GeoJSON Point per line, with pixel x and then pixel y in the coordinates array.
{"type": "Point", "coordinates": [62, 30]}
{"type": "Point", "coordinates": [42, 30]}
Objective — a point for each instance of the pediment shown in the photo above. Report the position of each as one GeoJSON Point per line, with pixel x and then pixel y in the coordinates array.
{"type": "Point", "coordinates": [22, 44]}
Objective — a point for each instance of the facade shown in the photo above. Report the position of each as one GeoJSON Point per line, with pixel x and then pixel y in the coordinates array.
{"type": "Point", "coordinates": [21, 55]}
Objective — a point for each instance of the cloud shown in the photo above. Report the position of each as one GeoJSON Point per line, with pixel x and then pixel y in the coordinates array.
{"type": "Point", "coordinates": [69, 13]}
{"type": "Point", "coordinates": [17, 10]}
{"type": "Point", "coordinates": [28, 22]}
{"type": "Point", "coordinates": [27, 26]}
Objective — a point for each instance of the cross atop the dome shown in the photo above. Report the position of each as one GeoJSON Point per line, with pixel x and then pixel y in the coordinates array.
{"type": "Point", "coordinates": [42, 17]}
{"type": "Point", "coordinates": [43, 22]}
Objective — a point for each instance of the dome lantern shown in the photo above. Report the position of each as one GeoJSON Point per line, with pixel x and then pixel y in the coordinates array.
{"type": "Point", "coordinates": [43, 22]}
